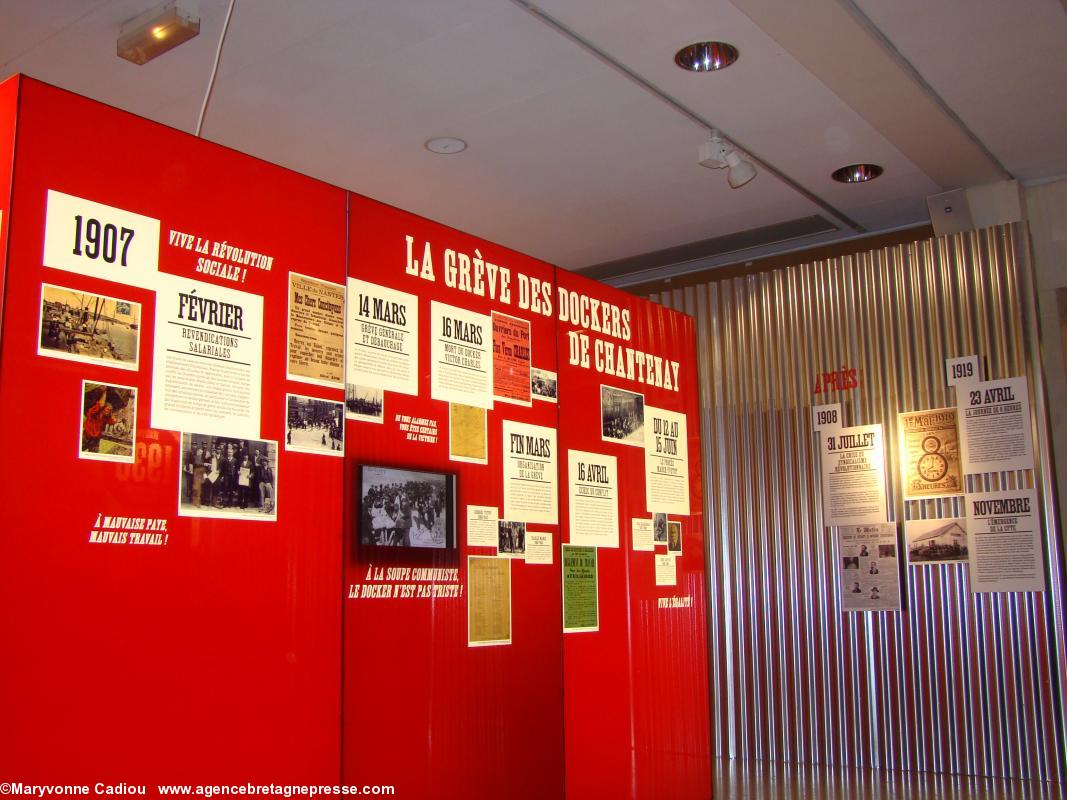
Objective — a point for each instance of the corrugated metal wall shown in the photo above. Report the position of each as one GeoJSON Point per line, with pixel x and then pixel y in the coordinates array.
{"type": "Point", "coordinates": [957, 682]}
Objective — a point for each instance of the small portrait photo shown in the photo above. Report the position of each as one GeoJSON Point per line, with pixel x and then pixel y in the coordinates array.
{"type": "Point", "coordinates": [109, 422]}
{"type": "Point", "coordinates": [856, 588]}
{"type": "Point", "coordinates": [674, 537]}
{"type": "Point", "coordinates": [659, 528]}
{"type": "Point", "coordinates": [622, 416]}
{"type": "Point", "coordinates": [864, 551]}
{"type": "Point", "coordinates": [850, 562]}
{"type": "Point", "coordinates": [874, 593]}
{"type": "Point", "coordinates": [227, 477]}
{"type": "Point", "coordinates": [873, 568]}
{"type": "Point", "coordinates": [315, 426]}
{"type": "Point", "coordinates": [81, 326]}
{"type": "Point", "coordinates": [887, 551]}
{"type": "Point", "coordinates": [364, 403]}
{"type": "Point", "coordinates": [512, 538]}
{"type": "Point", "coordinates": [543, 385]}
{"type": "Point", "coordinates": [406, 507]}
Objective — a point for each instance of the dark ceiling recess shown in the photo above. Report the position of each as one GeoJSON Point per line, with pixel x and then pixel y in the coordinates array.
{"type": "Point", "coordinates": [710, 248]}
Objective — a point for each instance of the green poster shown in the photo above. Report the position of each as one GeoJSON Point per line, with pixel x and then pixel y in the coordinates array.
{"type": "Point", "coordinates": [579, 589]}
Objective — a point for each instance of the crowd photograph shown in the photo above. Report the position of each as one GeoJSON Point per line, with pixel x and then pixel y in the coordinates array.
{"type": "Point", "coordinates": [622, 416]}
{"type": "Point", "coordinates": [225, 476]}
{"type": "Point", "coordinates": [406, 508]}
{"type": "Point", "coordinates": [313, 425]}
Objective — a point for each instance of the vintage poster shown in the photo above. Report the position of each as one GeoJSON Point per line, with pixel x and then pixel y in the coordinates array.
{"type": "Point", "coordinates": [853, 476]}
{"type": "Point", "coordinates": [227, 477]}
{"type": "Point", "coordinates": [622, 416]}
{"type": "Point", "coordinates": [313, 425]}
{"type": "Point", "coordinates": [930, 453]}
{"type": "Point", "coordinates": [467, 436]}
{"type": "Point", "coordinates": [208, 362]}
{"type": "Point", "coordinates": [482, 526]}
{"type": "Point", "coordinates": [530, 473]}
{"type": "Point", "coordinates": [461, 361]}
{"type": "Point", "coordinates": [936, 541]}
{"type": "Point", "coordinates": [666, 461]}
{"type": "Point", "coordinates": [511, 359]}
{"type": "Point", "coordinates": [593, 498]}
{"type": "Point", "coordinates": [316, 341]}
{"type": "Point", "coordinates": [100, 241]}
{"type": "Point", "coordinates": [641, 535]}
{"type": "Point", "coordinates": [87, 327]}
{"type": "Point", "coordinates": [1005, 532]}
{"type": "Point", "coordinates": [995, 426]}
{"type": "Point", "coordinates": [870, 578]}
{"type": "Point", "coordinates": [666, 569]}
{"type": "Point", "coordinates": [511, 539]}
{"type": "Point", "coordinates": [581, 610]}
{"type": "Point", "coordinates": [538, 547]}
{"type": "Point", "coordinates": [382, 339]}
{"type": "Point", "coordinates": [488, 601]}
{"type": "Point", "coordinates": [109, 422]}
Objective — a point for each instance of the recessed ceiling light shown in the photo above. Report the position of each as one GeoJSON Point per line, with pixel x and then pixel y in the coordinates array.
{"type": "Point", "coordinates": [706, 56]}
{"type": "Point", "coordinates": [857, 173]}
{"type": "Point", "coordinates": [446, 145]}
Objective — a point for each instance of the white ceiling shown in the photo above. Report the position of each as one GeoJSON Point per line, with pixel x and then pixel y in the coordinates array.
{"type": "Point", "coordinates": [570, 160]}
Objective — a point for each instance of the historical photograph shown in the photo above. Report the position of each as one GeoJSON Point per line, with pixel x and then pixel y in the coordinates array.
{"type": "Point", "coordinates": [622, 416]}
{"type": "Point", "coordinates": [364, 403]}
{"type": "Point", "coordinates": [674, 537]}
{"type": "Point", "coordinates": [313, 425]}
{"type": "Point", "coordinates": [936, 541]}
{"type": "Point", "coordinates": [512, 538]}
{"type": "Point", "coordinates": [406, 508]}
{"type": "Point", "coordinates": [543, 385]}
{"type": "Point", "coordinates": [80, 326]}
{"type": "Point", "coordinates": [109, 422]}
{"type": "Point", "coordinates": [228, 477]}
{"type": "Point", "coordinates": [659, 528]}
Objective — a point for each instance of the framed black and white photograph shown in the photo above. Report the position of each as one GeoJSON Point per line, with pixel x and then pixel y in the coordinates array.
{"type": "Point", "coordinates": [512, 536]}
{"type": "Point", "coordinates": [622, 416]}
{"type": "Point", "coordinates": [87, 327]}
{"type": "Point", "coordinates": [313, 425]}
{"type": "Point", "coordinates": [228, 477]}
{"type": "Point", "coordinates": [406, 508]}
{"type": "Point", "coordinates": [674, 537]}
{"type": "Point", "coordinates": [364, 403]}
{"type": "Point", "coordinates": [109, 422]}
{"type": "Point", "coordinates": [659, 528]}
{"type": "Point", "coordinates": [936, 541]}
{"type": "Point", "coordinates": [543, 385]}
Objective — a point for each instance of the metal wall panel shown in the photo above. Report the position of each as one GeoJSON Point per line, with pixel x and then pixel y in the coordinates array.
{"type": "Point", "coordinates": [956, 682]}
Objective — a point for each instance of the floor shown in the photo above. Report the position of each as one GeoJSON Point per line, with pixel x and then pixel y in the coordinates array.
{"type": "Point", "coordinates": [741, 780]}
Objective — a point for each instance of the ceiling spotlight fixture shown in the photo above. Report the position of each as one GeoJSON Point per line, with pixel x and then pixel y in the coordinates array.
{"type": "Point", "coordinates": [446, 145]}
{"type": "Point", "coordinates": [706, 56]}
{"type": "Point", "coordinates": [156, 31]}
{"type": "Point", "coordinates": [857, 173]}
{"type": "Point", "coordinates": [717, 153]}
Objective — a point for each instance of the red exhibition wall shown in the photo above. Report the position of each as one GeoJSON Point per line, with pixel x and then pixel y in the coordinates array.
{"type": "Point", "coordinates": [205, 390]}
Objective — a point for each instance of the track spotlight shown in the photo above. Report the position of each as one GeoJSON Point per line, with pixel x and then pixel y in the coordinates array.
{"type": "Point", "coordinates": [156, 31]}
{"type": "Point", "coordinates": [716, 153]}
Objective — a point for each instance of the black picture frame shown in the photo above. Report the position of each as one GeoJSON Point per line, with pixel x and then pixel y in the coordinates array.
{"type": "Point", "coordinates": [405, 508]}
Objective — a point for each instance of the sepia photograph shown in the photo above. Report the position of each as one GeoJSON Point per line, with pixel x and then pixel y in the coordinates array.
{"type": "Point", "coordinates": [406, 508]}
{"type": "Point", "coordinates": [936, 541]}
{"type": "Point", "coordinates": [622, 416]}
{"type": "Point", "coordinates": [109, 422]}
{"type": "Point", "coordinates": [674, 537]}
{"type": "Point", "coordinates": [364, 403]}
{"type": "Point", "coordinates": [313, 425]}
{"type": "Point", "coordinates": [512, 538]}
{"type": "Point", "coordinates": [80, 326]}
{"type": "Point", "coordinates": [228, 477]}
{"type": "Point", "coordinates": [543, 385]}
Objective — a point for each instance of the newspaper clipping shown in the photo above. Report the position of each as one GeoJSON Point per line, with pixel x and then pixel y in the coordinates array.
{"type": "Point", "coordinates": [316, 331]}
{"type": "Point", "coordinates": [870, 579]}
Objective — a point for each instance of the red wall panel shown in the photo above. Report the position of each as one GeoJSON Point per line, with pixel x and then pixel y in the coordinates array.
{"type": "Point", "coordinates": [636, 697]}
{"type": "Point", "coordinates": [212, 658]}
{"type": "Point", "coordinates": [423, 710]}
{"type": "Point", "coordinates": [9, 92]}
